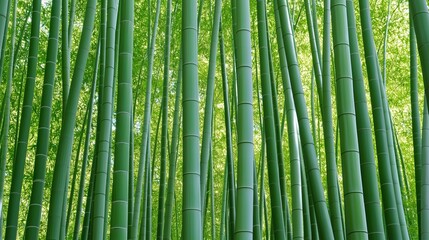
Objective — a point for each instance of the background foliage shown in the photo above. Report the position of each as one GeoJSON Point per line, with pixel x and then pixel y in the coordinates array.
{"type": "Point", "coordinates": [395, 20]}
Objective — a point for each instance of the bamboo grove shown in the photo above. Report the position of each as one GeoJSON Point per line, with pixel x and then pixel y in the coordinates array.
{"type": "Point", "coordinates": [165, 119]}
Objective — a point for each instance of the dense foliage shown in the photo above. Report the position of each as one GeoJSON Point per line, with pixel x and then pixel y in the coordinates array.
{"type": "Point", "coordinates": [214, 119]}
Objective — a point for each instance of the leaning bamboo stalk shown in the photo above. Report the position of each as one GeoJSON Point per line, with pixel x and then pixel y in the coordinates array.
{"type": "Point", "coordinates": [279, 139]}
{"type": "Point", "coordinates": [105, 124]}
{"type": "Point", "coordinates": [88, 123]}
{"type": "Point", "coordinates": [309, 151]}
{"type": "Point", "coordinates": [62, 164]}
{"type": "Point", "coordinates": [386, 182]}
{"type": "Point", "coordinates": [355, 218]}
{"type": "Point", "coordinates": [415, 117]}
{"type": "Point", "coordinates": [269, 128]}
{"type": "Point", "coordinates": [7, 113]}
{"type": "Point", "coordinates": [4, 15]}
{"type": "Point", "coordinates": [208, 110]}
{"type": "Point", "coordinates": [173, 158]}
{"type": "Point", "coordinates": [295, 161]}
{"type": "Point", "coordinates": [366, 149]}
{"type": "Point", "coordinates": [146, 124]}
{"type": "Point", "coordinates": [164, 137]}
{"type": "Point", "coordinates": [35, 209]}
{"type": "Point", "coordinates": [334, 198]}
{"type": "Point", "coordinates": [27, 109]}
{"type": "Point", "coordinates": [424, 210]}
{"type": "Point", "coordinates": [65, 54]}
{"type": "Point", "coordinates": [229, 148]}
